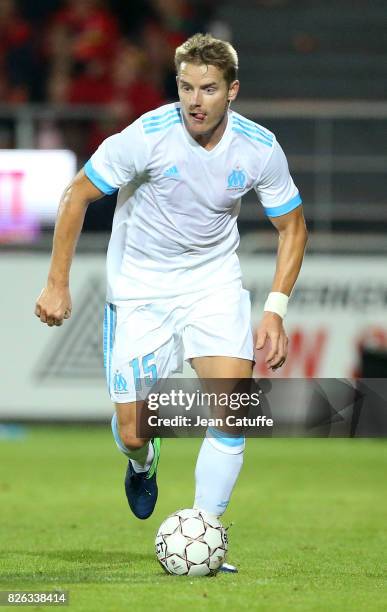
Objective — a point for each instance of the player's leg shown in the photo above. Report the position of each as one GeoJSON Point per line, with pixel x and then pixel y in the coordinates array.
{"type": "Point", "coordinates": [143, 454]}
{"type": "Point", "coordinates": [124, 432]}
{"type": "Point", "coordinates": [138, 349]}
{"type": "Point", "coordinates": [221, 456]}
{"type": "Point", "coordinates": [222, 367]}
{"type": "Point", "coordinates": [219, 344]}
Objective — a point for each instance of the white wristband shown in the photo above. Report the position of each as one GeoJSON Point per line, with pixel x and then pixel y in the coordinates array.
{"type": "Point", "coordinates": [276, 302]}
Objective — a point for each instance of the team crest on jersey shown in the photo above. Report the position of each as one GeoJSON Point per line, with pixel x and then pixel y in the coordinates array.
{"type": "Point", "coordinates": [236, 179]}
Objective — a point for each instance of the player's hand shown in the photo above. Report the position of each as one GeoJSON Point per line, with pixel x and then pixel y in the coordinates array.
{"type": "Point", "coordinates": [53, 305]}
{"type": "Point", "coordinates": [271, 330]}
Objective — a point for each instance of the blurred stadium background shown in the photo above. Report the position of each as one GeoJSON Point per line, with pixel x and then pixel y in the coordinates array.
{"type": "Point", "coordinates": [74, 71]}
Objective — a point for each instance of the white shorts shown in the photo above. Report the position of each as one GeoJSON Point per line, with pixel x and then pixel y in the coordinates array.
{"type": "Point", "coordinates": [144, 342]}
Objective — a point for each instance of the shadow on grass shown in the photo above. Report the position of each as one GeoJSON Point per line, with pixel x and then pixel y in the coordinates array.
{"type": "Point", "coordinates": [97, 557]}
{"type": "Point", "coordinates": [78, 566]}
{"type": "Point", "coordinates": [84, 555]}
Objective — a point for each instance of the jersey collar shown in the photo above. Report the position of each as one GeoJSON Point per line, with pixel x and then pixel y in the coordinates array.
{"type": "Point", "coordinates": [218, 147]}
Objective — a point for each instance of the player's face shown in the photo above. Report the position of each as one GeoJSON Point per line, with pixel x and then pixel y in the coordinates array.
{"type": "Point", "coordinates": [204, 95]}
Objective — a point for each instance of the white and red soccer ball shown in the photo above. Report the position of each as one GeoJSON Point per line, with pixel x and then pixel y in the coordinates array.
{"type": "Point", "coordinates": [192, 543]}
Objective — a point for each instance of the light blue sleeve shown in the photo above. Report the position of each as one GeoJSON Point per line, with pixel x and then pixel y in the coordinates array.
{"type": "Point", "coordinates": [275, 187]}
{"type": "Point", "coordinates": [118, 159]}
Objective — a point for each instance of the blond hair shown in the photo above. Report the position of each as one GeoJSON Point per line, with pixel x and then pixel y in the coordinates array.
{"type": "Point", "coordinates": [205, 49]}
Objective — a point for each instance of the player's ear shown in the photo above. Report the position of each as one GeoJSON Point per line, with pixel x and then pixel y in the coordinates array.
{"type": "Point", "coordinates": [233, 91]}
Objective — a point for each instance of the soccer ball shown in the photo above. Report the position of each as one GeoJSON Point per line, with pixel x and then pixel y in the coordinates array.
{"type": "Point", "coordinates": [191, 543]}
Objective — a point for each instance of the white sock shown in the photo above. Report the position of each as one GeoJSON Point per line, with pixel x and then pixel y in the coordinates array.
{"type": "Point", "coordinates": [141, 458]}
{"type": "Point", "coordinates": [217, 469]}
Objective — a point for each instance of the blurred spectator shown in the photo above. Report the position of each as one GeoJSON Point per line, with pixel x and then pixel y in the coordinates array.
{"type": "Point", "coordinates": [79, 42]}
{"type": "Point", "coordinates": [90, 29]}
{"type": "Point", "coordinates": [126, 89]}
{"type": "Point", "coordinates": [90, 86]}
{"type": "Point", "coordinates": [179, 19]}
{"type": "Point", "coordinates": [82, 31]}
{"type": "Point", "coordinates": [16, 55]}
{"type": "Point", "coordinates": [125, 86]}
{"type": "Point", "coordinates": [175, 21]}
{"type": "Point", "coordinates": [57, 86]}
{"type": "Point", "coordinates": [93, 52]}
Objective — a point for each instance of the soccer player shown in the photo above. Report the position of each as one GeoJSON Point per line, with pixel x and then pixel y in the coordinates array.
{"type": "Point", "coordinates": [174, 288]}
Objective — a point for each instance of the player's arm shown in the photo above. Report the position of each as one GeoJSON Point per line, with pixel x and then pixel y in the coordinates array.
{"type": "Point", "coordinates": [292, 238]}
{"type": "Point", "coordinates": [54, 302]}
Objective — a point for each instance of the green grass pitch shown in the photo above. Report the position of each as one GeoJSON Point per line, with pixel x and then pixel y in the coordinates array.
{"type": "Point", "coordinates": [309, 525]}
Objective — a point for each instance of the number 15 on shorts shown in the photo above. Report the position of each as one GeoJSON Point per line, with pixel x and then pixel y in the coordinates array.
{"type": "Point", "coordinates": [144, 369]}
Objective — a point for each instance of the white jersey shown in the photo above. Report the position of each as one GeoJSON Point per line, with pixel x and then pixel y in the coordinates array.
{"type": "Point", "coordinates": [175, 224]}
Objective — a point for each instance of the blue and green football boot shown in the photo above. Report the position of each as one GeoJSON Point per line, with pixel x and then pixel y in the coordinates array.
{"type": "Point", "coordinates": [141, 488]}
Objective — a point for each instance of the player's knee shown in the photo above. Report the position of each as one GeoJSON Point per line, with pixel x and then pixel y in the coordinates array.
{"type": "Point", "coordinates": [130, 440]}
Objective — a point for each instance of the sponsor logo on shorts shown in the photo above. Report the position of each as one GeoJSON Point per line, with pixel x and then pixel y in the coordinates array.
{"type": "Point", "coordinates": [236, 179]}
{"type": "Point", "coordinates": [119, 383]}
